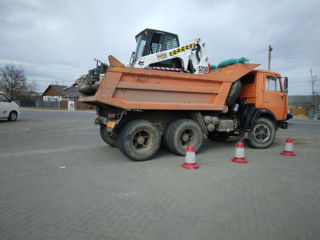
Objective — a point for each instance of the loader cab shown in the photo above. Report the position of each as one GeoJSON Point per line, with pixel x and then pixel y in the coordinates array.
{"type": "Point", "coordinates": [151, 41]}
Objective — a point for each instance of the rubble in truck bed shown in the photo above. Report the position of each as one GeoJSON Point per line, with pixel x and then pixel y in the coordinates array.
{"type": "Point", "coordinates": [89, 83]}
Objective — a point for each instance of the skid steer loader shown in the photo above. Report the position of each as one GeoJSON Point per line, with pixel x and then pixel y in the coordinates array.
{"type": "Point", "coordinates": [161, 49]}
{"type": "Point", "coordinates": [156, 50]}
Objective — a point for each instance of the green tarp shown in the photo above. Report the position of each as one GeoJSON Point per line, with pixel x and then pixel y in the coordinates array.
{"type": "Point", "coordinates": [230, 62]}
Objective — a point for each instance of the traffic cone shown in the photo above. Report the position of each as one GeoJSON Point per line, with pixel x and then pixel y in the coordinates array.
{"type": "Point", "coordinates": [288, 148]}
{"type": "Point", "coordinates": [239, 154]}
{"type": "Point", "coordinates": [190, 160]}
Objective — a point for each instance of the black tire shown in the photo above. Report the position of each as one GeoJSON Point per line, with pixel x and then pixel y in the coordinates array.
{"type": "Point", "coordinates": [109, 138]}
{"type": "Point", "coordinates": [13, 116]}
{"type": "Point", "coordinates": [234, 92]}
{"type": "Point", "coordinates": [139, 140]}
{"type": "Point", "coordinates": [263, 134]}
{"type": "Point", "coordinates": [181, 133]}
{"type": "Point", "coordinates": [218, 136]}
{"type": "Point", "coordinates": [165, 135]}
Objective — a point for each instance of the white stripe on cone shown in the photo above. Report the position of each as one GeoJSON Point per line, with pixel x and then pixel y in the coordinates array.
{"type": "Point", "coordinates": [190, 159]}
{"type": "Point", "coordinates": [288, 148]}
{"type": "Point", "coordinates": [239, 154]}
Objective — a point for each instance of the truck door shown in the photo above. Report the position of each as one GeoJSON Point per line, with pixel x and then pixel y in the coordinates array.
{"type": "Point", "coordinates": [275, 97]}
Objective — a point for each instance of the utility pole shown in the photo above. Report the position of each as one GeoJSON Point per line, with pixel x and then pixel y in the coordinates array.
{"type": "Point", "coordinates": [269, 57]}
{"type": "Point", "coordinates": [315, 95]}
{"type": "Point", "coordinates": [312, 83]}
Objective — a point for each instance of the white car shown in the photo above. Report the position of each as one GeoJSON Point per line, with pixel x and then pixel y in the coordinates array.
{"type": "Point", "coordinates": [8, 108]}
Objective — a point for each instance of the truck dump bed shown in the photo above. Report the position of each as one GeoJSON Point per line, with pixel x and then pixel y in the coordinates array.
{"type": "Point", "coordinates": [131, 88]}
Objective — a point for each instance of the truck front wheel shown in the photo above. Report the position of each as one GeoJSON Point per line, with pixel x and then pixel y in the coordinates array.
{"type": "Point", "coordinates": [109, 137]}
{"type": "Point", "coordinates": [263, 134]}
{"type": "Point", "coordinates": [181, 133]}
{"type": "Point", "coordinates": [139, 140]}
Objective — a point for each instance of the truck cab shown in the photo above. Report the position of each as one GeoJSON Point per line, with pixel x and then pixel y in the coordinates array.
{"type": "Point", "coordinates": [267, 90]}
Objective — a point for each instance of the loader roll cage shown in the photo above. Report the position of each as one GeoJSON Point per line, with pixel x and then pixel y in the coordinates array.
{"type": "Point", "coordinates": [150, 41]}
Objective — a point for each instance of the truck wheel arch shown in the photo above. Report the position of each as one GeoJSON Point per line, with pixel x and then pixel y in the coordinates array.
{"type": "Point", "coordinates": [263, 113]}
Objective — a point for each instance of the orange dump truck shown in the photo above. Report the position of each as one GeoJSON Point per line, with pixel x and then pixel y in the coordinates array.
{"type": "Point", "coordinates": [140, 108]}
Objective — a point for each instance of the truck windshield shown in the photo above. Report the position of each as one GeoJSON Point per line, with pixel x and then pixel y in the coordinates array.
{"type": "Point", "coordinates": [141, 43]}
{"type": "Point", "coordinates": [273, 84]}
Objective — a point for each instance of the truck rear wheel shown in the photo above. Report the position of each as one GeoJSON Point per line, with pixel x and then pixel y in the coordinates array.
{"type": "Point", "coordinates": [181, 133]}
{"type": "Point", "coordinates": [262, 135]}
{"type": "Point", "coordinates": [109, 138]}
{"type": "Point", "coordinates": [139, 140]}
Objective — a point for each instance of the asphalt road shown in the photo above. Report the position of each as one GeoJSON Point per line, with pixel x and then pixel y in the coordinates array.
{"type": "Point", "coordinates": [59, 180]}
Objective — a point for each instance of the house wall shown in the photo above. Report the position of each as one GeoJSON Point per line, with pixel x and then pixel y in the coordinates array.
{"type": "Point", "coordinates": [51, 92]}
{"type": "Point", "coordinates": [78, 106]}
{"type": "Point", "coordinates": [51, 98]}
{"type": "Point", "coordinates": [51, 95]}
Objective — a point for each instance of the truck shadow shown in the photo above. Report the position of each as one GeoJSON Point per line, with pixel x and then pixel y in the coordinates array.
{"type": "Point", "coordinates": [209, 145]}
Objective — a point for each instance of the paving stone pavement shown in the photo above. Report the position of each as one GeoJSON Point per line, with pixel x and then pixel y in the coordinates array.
{"type": "Point", "coordinates": [70, 185]}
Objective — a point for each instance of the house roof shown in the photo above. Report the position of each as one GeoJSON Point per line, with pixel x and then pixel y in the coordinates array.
{"type": "Point", "coordinates": [71, 92]}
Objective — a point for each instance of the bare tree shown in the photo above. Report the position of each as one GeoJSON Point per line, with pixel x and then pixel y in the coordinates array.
{"type": "Point", "coordinates": [315, 94]}
{"type": "Point", "coordinates": [14, 83]}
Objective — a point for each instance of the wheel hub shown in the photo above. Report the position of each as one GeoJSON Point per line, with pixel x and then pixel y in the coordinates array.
{"type": "Point", "coordinates": [140, 140]}
{"type": "Point", "coordinates": [261, 133]}
{"type": "Point", "coordinates": [185, 137]}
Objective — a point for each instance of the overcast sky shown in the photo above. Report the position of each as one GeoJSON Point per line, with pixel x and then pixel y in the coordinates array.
{"type": "Point", "coordinates": [56, 41]}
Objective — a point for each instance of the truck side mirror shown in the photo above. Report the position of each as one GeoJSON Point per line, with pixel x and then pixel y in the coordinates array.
{"type": "Point", "coordinates": [285, 84]}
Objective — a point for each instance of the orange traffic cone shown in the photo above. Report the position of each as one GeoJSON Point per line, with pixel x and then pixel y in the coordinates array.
{"type": "Point", "coordinates": [239, 154]}
{"type": "Point", "coordinates": [190, 160]}
{"type": "Point", "coordinates": [288, 148]}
